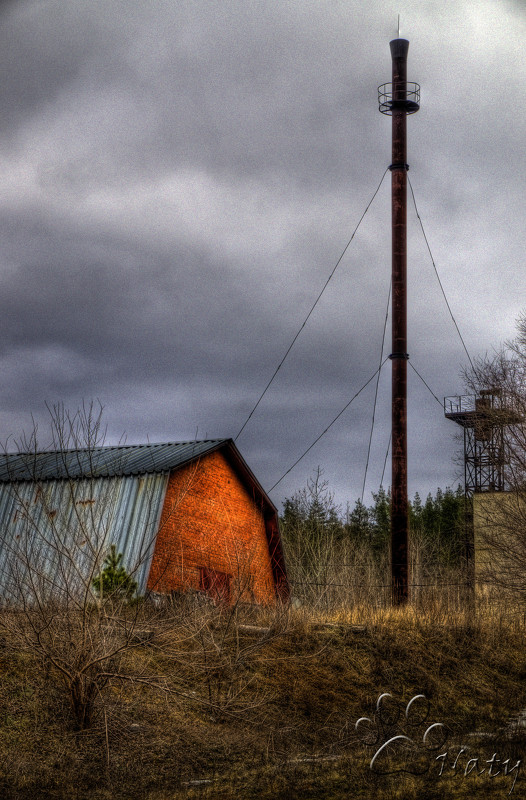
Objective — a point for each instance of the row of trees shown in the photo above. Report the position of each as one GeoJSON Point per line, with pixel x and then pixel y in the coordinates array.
{"type": "Point", "coordinates": [311, 517]}
{"type": "Point", "coordinates": [327, 546]}
{"type": "Point", "coordinates": [321, 540]}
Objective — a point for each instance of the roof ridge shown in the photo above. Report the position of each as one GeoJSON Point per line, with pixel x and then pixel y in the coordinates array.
{"type": "Point", "coordinates": [107, 447]}
{"type": "Point", "coordinates": [105, 461]}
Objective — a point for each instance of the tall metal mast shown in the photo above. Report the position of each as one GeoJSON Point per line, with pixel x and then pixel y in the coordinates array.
{"type": "Point", "coordinates": [399, 99]}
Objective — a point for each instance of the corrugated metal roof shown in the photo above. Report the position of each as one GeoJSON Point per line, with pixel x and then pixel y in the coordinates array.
{"type": "Point", "coordinates": [103, 462]}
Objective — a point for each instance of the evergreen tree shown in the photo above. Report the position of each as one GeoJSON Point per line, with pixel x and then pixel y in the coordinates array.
{"type": "Point", "coordinates": [451, 526]}
{"type": "Point", "coordinates": [314, 532]}
{"type": "Point", "coordinates": [358, 524]}
{"type": "Point", "coordinates": [381, 518]}
{"type": "Point", "coordinates": [438, 526]}
{"type": "Point", "coordinates": [113, 580]}
{"type": "Point", "coordinates": [416, 514]}
{"type": "Point", "coordinates": [311, 529]}
{"type": "Point", "coordinates": [429, 517]}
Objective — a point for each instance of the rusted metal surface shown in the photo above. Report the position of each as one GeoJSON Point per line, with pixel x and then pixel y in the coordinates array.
{"type": "Point", "coordinates": [56, 534]}
{"type": "Point", "coordinates": [399, 498]}
{"type": "Point", "coordinates": [485, 419]}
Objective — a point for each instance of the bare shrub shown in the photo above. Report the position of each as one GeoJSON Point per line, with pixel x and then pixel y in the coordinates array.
{"type": "Point", "coordinates": [339, 564]}
{"type": "Point", "coordinates": [53, 544]}
{"type": "Point", "coordinates": [226, 631]}
{"type": "Point", "coordinates": [72, 601]}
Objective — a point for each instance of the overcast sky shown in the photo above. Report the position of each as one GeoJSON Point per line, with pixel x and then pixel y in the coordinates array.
{"type": "Point", "coordinates": [178, 179]}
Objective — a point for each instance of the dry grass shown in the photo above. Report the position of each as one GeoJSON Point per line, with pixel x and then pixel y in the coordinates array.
{"type": "Point", "coordinates": [289, 732]}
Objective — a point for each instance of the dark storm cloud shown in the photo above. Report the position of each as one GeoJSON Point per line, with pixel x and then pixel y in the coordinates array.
{"type": "Point", "coordinates": [178, 180]}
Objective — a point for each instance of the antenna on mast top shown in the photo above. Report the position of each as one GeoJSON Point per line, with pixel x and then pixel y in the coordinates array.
{"type": "Point", "coordinates": [399, 26]}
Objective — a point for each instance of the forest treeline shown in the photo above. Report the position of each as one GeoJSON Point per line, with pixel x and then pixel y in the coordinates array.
{"type": "Point", "coordinates": [321, 539]}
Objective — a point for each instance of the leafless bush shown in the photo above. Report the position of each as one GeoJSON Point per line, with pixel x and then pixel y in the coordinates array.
{"type": "Point", "coordinates": [226, 633]}
{"type": "Point", "coordinates": [53, 542]}
{"type": "Point", "coordinates": [59, 527]}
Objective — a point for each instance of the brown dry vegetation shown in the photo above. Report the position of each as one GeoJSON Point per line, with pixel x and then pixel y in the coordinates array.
{"type": "Point", "coordinates": [269, 715]}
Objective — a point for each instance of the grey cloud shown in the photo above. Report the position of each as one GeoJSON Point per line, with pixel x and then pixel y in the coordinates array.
{"type": "Point", "coordinates": [179, 180]}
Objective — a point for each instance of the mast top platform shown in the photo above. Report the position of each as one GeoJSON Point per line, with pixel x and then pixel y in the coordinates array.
{"type": "Point", "coordinates": [402, 95]}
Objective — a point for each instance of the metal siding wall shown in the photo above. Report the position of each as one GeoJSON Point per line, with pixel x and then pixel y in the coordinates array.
{"type": "Point", "coordinates": [61, 530]}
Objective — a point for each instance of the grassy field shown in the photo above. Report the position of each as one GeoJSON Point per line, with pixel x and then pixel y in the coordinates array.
{"type": "Point", "coordinates": [237, 712]}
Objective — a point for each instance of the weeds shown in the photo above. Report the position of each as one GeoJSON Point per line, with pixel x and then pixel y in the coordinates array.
{"type": "Point", "coordinates": [263, 703]}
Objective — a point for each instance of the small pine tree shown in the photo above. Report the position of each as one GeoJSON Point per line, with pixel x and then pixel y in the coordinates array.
{"type": "Point", "coordinates": [358, 524]}
{"type": "Point", "coordinates": [113, 580]}
{"type": "Point", "coordinates": [380, 515]}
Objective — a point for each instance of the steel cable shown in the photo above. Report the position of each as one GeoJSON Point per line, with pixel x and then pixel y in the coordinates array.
{"type": "Point", "coordinates": [263, 393]}
{"type": "Point", "coordinates": [436, 273]}
{"type": "Point", "coordinates": [346, 406]}
{"type": "Point", "coordinates": [376, 393]}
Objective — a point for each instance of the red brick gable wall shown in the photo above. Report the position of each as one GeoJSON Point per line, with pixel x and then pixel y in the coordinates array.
{"type": "Point", "coordinates": [211, 522]}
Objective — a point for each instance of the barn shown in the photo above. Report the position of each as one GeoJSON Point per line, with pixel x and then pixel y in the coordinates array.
{"type": "Point", "coordinates": [185, 516]}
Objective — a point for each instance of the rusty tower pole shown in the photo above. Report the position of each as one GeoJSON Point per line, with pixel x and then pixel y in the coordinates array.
{"type": "Point", "coordinates": [398, 100]}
